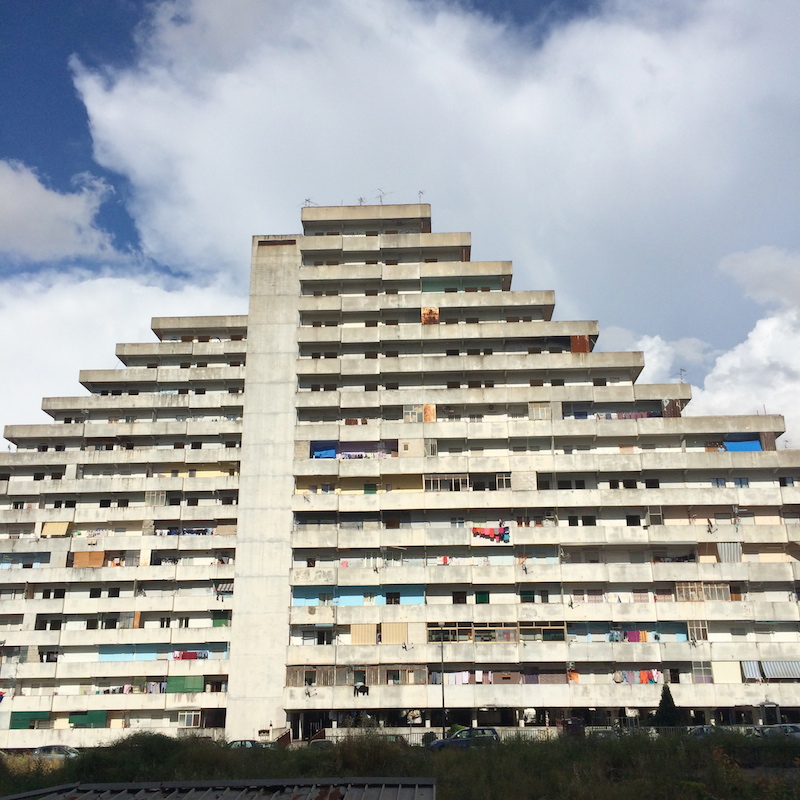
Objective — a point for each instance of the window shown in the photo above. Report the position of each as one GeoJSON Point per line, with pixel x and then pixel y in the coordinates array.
{"type": "Point", "coordinates": [392, 598]}
{"type": "Point", "coordinates": [786, 481]}
{"type": "Point", "coordinates": [446, 483]}
{"type": "Point", "coordinates": [113, 591]}
{"type": "Point", "coordinates": [412, 413]}
{"type": "Point", "coordinates": [556, 381]}
{"type": "Point", "coordinates": [741, 483]}
{"type": "Point", "coordinates": [370, 488]}
{"type": "Point", "coordinates": [459, 598]}
{"type": "Point", "coordinates": [701, 672]}
{"type": "Point", "coordinates": [539, 411]}
{"type": "Point", "coordinates": [189, 719]}
{"type": "Point", "coordinates": [633, 520]}
{"type": "Point", "coordinates": [652, 483]}
{"type": "Point", "coordinates": [504, 480]}
{"type": "Point", "coordinates": [697, 630]}
{"type": "Point", "coordinates": [431, 447]}
{"type": "Point", "coordinates": [589, 520]}
{"type": "Point", "coordinates": [527, 596]}
{"type": "Point", "coordinates": [718, 483]}
{"type": "Point", "coordinates": [482, 598]}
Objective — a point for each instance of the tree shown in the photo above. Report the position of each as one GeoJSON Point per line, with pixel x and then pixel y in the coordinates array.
{"type": "Point", "coordinates": [667, 714]}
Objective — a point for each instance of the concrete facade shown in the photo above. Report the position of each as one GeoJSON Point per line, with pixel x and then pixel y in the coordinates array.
{"type": "Point", "coordinates": [394, 487]}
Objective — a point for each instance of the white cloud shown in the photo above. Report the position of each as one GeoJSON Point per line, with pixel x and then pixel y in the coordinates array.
{"type": "Point", "coordinates": [665, 361]}
{"type": "Point", "coordinates": [616, 163]}
{"type": "Point", "coordinates": [40, 224]}
{"type": "Point", "coordinates": [63, 323]}
{"type": "Point", "coordinates": [619, 162]}
{"type": "Point", "coordinates": [760, 374]}
{"type": "Point", "coordinates": [769, 275]}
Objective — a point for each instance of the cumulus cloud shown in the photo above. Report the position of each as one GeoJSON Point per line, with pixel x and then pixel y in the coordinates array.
{"type": "Point", "coordinates": [665, 361]}
{"type": "Point", "coordinates": [617, 159]}
{"type": "Point", "coordinates": [61, 323]}
{"type": "Point", "coordinates": [762, 374]}
{"type": "Point", "coordinates": [40, 224]}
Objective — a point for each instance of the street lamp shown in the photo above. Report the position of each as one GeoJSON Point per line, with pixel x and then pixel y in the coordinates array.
{"type": "Point", "coordinates": [441, 646]}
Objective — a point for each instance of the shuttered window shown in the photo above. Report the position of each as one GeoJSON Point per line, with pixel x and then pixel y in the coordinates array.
{"type": "Point", "coordinates": [364, 634]}
{"type": "Point", "coordinates": [92, 558]}
{"type": "Point", "coordinates": [394, 632]}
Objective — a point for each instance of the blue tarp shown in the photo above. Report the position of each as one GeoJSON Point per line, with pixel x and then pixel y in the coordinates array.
{"type": "Point", "coordinates": [748, 445]}
{"type": "Point", "coordinates": [323, 449]}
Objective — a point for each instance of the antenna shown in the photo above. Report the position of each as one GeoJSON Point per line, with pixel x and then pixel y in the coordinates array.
{"type": "Point", "coordinates": [419, 194]}
{"type": "Point", "coordinates": [309, 202]}
{"type": "Point", "coordinates": [682, 375]}
{"type": "Point", "coordinates": [382, 194]}
{"type": "Point", "coordinates": [361, 201]}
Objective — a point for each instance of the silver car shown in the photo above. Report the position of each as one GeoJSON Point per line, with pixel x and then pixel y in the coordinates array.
{"type": "Point", "coordinates": [781, 730]}
{"type": "Point", "coordinates": [55, 751]}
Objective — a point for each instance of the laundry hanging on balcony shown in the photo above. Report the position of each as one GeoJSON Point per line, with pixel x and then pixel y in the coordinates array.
{"type": "Point", "coordinates": [499, 534]}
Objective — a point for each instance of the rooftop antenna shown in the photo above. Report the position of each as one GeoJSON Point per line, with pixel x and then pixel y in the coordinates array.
{"type": "Point", "coordinates": [382, 194]}
{"type": "Point", "coordinates": [419, 194]}
{"type": "Point", "coordinates": [361, 201]}
{"type": "Point", "coordinates": [682, 375]}
{"type": "Point", "coordinates": [308, 202]}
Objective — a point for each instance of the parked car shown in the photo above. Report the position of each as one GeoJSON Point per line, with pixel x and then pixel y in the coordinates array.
{"type": "Point", "coordinates": [781, 730]}
{"type": "Point", "coordinates": [467, 737]}
{"type": "Point", "coordinates": [248, 744]}
{"type": "Point", "coordinates": [55, 751]}
{"type": "Point", "coordinates": [702, 731]}
{"type": "Point", "coordinates": [321, 744]}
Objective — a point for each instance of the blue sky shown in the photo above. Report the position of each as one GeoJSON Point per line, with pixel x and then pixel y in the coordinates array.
{"type": "Point", "coordinates": [638, 157]}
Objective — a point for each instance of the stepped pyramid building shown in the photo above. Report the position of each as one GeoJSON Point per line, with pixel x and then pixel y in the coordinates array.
{"type": "Point", "coordinates": [394, 487]}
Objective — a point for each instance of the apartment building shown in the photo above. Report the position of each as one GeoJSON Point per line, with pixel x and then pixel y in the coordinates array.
{"type": "Point", "coordinates": [395, 493]}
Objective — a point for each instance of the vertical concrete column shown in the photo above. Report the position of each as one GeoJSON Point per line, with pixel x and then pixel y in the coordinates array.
{"type": "Point", "coordinates": [261, 599]}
